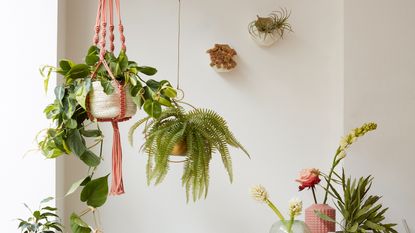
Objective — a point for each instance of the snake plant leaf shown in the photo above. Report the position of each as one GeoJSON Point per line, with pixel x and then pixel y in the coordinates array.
{"type": "Point", "coordinates": [323, 216]}
{"type": "Point", "coordinates": [78, 225]}
{"type": "Point", "coordinates": [95, 193]}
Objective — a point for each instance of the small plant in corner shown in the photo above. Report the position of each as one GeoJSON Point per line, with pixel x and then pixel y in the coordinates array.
{"type": "Point", "coordinates": [43, 220]}
{"type": "Point", "coordinates": [222, 58]}
{"type": "Point", "coordinates": [267, 30]}
{"type": "Point", "coordinates": [196, 135]}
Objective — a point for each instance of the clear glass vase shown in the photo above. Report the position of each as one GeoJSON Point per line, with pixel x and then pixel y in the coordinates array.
{"type": "Point", "coordinates": [282, 227]}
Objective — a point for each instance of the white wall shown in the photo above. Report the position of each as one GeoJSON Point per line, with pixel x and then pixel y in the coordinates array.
{"type": "Point", "coordinates": [28, 40]}
{"type": "Point", "coordinates": [284, 103]}
{"type": "Point", "coordinates": [379, 86]}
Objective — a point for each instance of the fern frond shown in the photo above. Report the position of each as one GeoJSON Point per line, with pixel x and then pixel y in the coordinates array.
{"type": "Point", "coordinates": [134, 128]}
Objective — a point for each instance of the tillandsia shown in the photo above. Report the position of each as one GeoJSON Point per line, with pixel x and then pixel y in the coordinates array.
{"type": "Point", "coordinates": [295, 206]}
{"type": "Point", "coordinates": [72, 132]}
{"type": "Point", "coordinates": [199, 133]}
{"type": "Point", "coordinates": [361, 211]}
{"type": "Point", "coordinates": [42, 220]}
{"type": "Point", "coordinates": [277, 21]}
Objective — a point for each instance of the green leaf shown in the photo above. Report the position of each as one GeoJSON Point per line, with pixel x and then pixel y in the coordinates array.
{"type": "Point", "coordinates": [82, 92]}
{"type": "Point", "coordinates": [95, 193]}
{"type": "Point", "coordinates": [323, 216]}
{"type": "Point", "coordinates": [91, 133]}
{"type": "Point", "coordinates": [90, 159]}
{"type": "Point", "coordinates": [78, 225]}
{"type": "Point", "coordinates": [46, 200]}
{"type": "Point", "coordinates": [153, 84]}
{"type": "Point", "coordinates": [107, 85]}
{"type": "Point", "coordinates": [374, 226]}
{"type": "Point", "coordinates": [66, 64]}
{"type": "Point", "coordinates": [75, 142]}
{"type": "Point", "coordinates": [71, 124]}
{"type": "Point", "coordinates": [169, 92]}
{"type": "Point", "coordinates": [59, 92]}
{"type": "Point", "coordinates": [147, 70]}
{"type": "Point", "coordinates": [75, 186]}
{"type": "Point", "coordinates": [123, 61]}
{"type": "Point", "coordinates": [78, 71]}
{"type": "Point", "coordinates": [353, 228]}
{"type": "Point", "coordinates": [152, 108]}
{"type": "Point", "coordinates": [164, 102]}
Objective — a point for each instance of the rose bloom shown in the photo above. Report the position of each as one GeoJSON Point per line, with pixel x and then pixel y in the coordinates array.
{"type": "Point", "coordinates": [308, 178]}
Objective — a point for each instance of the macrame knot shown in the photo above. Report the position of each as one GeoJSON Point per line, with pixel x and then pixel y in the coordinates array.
{"type": "Point", "coordinates": [97, 28]}
{"type": "Point", "coordinates": [96, 39]}
{"type": "Point", "coordinates": [122, 37]}
{"type": "Point", "coordinates": [121, 28]}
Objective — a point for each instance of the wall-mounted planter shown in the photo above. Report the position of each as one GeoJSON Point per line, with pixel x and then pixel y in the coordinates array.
{"type": "Point", "coordinates": [266, 39]}
{"type": "Point", "coordinates": [222, 58]}
{"type": "Point", "coordinates": [265, 31]}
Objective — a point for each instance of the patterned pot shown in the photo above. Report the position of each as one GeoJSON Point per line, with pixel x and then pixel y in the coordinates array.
{"type": "Point", "coordinates": [316, 224]}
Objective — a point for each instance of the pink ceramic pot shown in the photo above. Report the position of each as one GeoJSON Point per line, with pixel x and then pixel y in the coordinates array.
{"type": "Point", "coordinates": [316, 224]}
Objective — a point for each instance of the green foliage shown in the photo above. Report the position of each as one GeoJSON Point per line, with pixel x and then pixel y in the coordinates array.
{"type": "Point", "coordinates": [78, 225]}
{"type": "Point", "coordinates": [361, 211]}
{"type": "Point", "coordinates": [276, 21]}
{"type": "Point", "coordinates": [95, 192]}
{"type": "Point", "coordinates": [203, 131]}
{"type": "Point", "coordinates": [43, 220]}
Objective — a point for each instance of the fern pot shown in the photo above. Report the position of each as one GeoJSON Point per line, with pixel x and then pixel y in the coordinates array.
{"type": "Point", "coordinates": [315, 223]}
{"type": "Point", "coordinates": [179, 149]}
{"type": "Point", "coordinates": [266, 39]}
{"type": "Point", "coordinates": [283, 227]}
{"type": "Point", "coordinates": [104, 106]}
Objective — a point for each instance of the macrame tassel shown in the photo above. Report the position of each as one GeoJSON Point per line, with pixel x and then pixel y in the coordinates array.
{"type": "Point", "coordinates": [117, 186]}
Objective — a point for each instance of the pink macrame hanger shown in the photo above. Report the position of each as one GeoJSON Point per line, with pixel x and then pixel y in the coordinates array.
{"type": "Point", "coordinates": [117, 186]}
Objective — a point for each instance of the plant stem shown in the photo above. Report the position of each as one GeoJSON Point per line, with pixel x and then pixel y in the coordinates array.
{"type": "Point", "coordinates": [314, 194]}
{"type": "Point", "coordinates": [274, 208]}
{"type": "Point", "coordinates": [334, 164]}
{"type": "Point", "coordinates": [290, 224]}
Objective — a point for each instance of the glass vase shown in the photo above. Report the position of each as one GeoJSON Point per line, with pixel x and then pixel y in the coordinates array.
{"type": "Point", "coordinates": [282, 227]}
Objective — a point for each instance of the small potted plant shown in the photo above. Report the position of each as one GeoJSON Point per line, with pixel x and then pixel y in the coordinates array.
{"type": "Point", "coordinates": [291, 225]}
{"type": "Point", "coordinates": [361, 212]}
{"type": "Point", "coordinates": [222, 58]}
{"type": "Point", "coordinates": [265, 31]}
{"type": "Point", "coordinates": [43, 220]}
{"type": "Point", "coordinates": [196, 135]}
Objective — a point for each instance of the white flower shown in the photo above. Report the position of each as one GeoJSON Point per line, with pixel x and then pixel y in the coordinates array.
{"type": "Point", "coordinates": [259, 193]}
{"type": "Point", "coordinates": [295, 207]}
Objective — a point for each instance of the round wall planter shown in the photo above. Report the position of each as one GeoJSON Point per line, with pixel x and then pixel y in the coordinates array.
{"type": "Point", "coordinates": [105, 106]}
{"type": "Point", "coordinates": [266, 39]}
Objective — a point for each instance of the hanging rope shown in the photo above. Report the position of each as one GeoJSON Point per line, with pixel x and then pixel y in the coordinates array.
{"type": "Point", "coordinates": [117, 186]}
{"type": "Point", "coordinates": [179, 22]}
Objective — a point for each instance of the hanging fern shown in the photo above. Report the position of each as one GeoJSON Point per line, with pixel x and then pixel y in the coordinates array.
{"type": "Point", "coordinates": [203, 132]}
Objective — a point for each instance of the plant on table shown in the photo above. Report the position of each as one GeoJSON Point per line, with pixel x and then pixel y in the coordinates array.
{"type": "Point", "coordinates": [196, 135]}
{"type": "Point", "coordinates": [43, 220]}
{"type": "Point", "coordinates": [361, 212]}
{"type": "Point", "coordinates": [260, 194]}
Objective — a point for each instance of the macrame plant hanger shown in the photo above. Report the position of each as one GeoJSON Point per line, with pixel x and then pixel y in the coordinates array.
{"type": "Point", "coordinates": [117, 186]}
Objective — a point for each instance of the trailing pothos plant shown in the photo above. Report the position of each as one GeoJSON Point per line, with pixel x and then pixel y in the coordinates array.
{"type": "Point", "coordinates": [71, 132]}
{"type": "Point", "coordinates": [196, 134]}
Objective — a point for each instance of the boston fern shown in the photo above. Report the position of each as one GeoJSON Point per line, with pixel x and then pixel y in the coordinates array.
{"type": "Point", "coordinates": [203, 132]}
{"type": "Point", "coordinates": [43, 220]}
{"type": "Point", "coordinates": [361, 211]}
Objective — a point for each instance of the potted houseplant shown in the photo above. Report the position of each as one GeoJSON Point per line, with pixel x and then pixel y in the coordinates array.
{"type": "Point", "coordinates": [43, 220]}
{"type": "Point", "coordinates": [291, 225]}
{"type": "Point", "coordinates": [310, 177]}
{"type": "Point", "coordinates": [222, 58]}
{"type": "Point", "coordinates": [82, 88]}
{"type": "Point", "coordinates": [265, 31]}
{"type": "Point", "coordinates": [196, 135]}
{"type": "Point", "coordinates": [361, 212]}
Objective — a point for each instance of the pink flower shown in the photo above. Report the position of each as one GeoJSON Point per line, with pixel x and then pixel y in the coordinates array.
{"type": "Point", "coordinates": [308, 178]}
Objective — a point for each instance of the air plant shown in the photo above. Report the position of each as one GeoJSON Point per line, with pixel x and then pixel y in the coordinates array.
{"type": "Point", "coordinates": [277, 21]}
